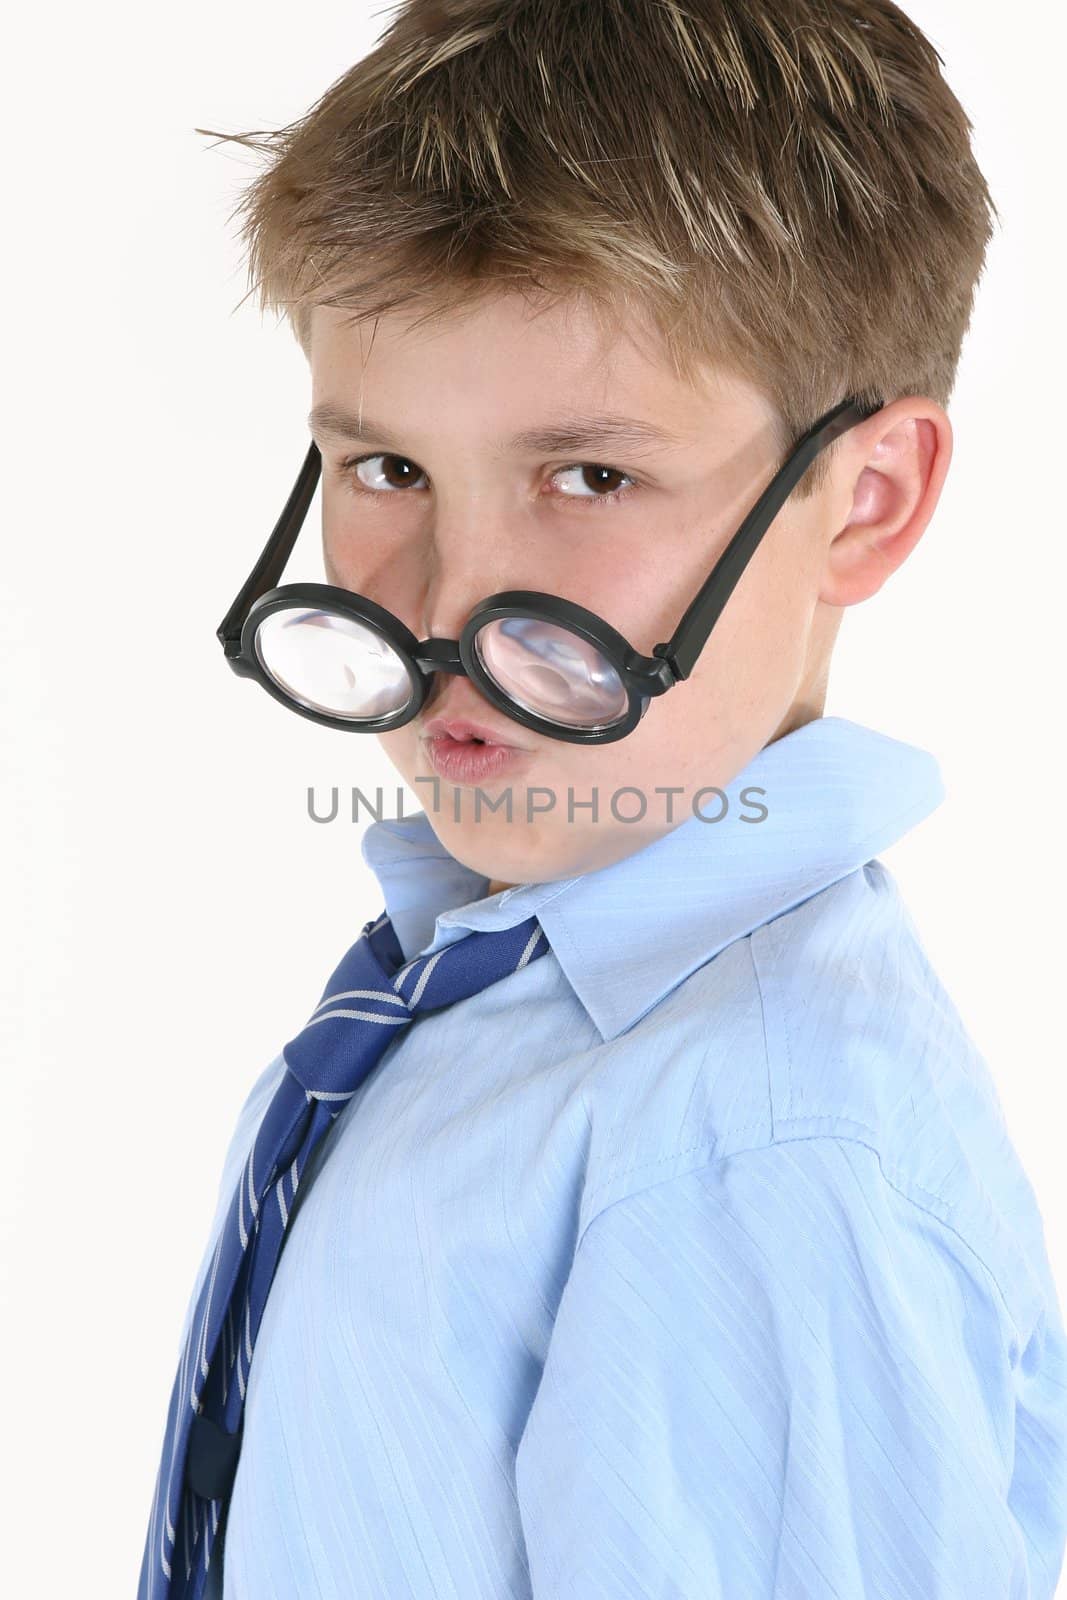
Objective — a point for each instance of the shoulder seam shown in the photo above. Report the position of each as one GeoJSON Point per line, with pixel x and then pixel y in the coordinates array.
{"type": "Point", "coordinates": [840, 1138]}
{"type": "Point", "coordinates": [760, 991]}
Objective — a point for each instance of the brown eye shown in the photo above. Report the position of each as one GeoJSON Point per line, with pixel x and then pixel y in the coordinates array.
{"type": "Point", "coordinates": [603, 482]}
{"type": "Point", "coordinates": [397, 472]}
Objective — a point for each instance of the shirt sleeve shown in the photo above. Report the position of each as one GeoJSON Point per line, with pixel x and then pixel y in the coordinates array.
{"type": "Point", "coordinates": [775, 1377]}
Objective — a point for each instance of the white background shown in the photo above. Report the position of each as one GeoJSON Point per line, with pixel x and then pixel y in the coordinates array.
{"type": "Point", "coordinates": [170, 913]}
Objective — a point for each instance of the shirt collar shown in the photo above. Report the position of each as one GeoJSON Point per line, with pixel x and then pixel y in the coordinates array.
{"type": "Point", "coordinates": [836, 793]}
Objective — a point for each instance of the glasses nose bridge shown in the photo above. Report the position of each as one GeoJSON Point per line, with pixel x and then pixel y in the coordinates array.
{"type": "Point", "coordinates": [439, 655]}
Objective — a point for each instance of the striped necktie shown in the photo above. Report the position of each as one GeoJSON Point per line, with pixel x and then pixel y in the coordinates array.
{"type": "Point", "coordinates": [370, 996]}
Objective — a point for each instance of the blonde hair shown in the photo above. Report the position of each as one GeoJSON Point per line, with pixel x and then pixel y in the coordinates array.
{"type": "Point", "coordinates": [785, 188]}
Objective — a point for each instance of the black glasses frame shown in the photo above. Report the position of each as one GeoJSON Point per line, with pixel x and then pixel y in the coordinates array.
{"type": "Point", "coordinates": [643, 677]}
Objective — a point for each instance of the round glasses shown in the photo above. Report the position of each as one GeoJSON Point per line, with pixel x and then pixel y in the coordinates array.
{"type": "Point", "coordinates": [550, 664]}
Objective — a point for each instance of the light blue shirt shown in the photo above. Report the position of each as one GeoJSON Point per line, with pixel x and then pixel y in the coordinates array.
{"type": "Point", "coordinates": [691, 1261]}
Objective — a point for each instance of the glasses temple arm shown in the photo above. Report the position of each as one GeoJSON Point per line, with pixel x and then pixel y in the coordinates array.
{"type": "Point", "coordinates": [274, 555]}
{"type": "Point", "coordinates": [690, 636]}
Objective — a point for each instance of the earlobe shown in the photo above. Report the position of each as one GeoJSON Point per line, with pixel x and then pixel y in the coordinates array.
{"type": "Point", "coordinates": [896, 484]}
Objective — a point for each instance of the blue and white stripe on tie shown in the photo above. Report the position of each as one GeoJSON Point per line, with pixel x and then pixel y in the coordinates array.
{"type": "Point", "coordinates": [370, 995]}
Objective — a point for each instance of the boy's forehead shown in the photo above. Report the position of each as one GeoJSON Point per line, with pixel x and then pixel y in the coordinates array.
{"type": "Point", "coordinates": [495, 330]}
{"type": "Point", "coordinates": [520, 360]}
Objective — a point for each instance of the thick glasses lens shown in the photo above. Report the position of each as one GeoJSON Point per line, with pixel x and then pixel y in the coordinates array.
{"type": "Point", "coordinates": [333, 663]}
{"type": "Point", "coordinates": [556, 674]}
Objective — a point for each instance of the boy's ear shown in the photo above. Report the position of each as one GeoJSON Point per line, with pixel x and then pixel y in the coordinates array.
{"type": "Point", "coordinates": [889, 484]}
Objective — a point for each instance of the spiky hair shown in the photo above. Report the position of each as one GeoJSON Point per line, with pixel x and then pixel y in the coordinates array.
{"type": "Point", "coordinates": [785, 188]}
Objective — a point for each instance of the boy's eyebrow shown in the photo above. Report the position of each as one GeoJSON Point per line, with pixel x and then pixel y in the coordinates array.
{"type": "Point", "coordinates": [574, 432]}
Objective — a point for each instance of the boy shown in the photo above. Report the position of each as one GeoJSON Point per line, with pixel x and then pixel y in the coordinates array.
{"type": "Point", "coordinates": [684, 1251]}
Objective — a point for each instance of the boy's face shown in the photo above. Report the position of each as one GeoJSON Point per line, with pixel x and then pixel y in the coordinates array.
{"type": "Point", "coordinates": [476, 520]}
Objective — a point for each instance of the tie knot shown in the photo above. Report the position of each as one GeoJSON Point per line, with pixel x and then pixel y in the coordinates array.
{"type": "Point", "coordinates": [373, 992]}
